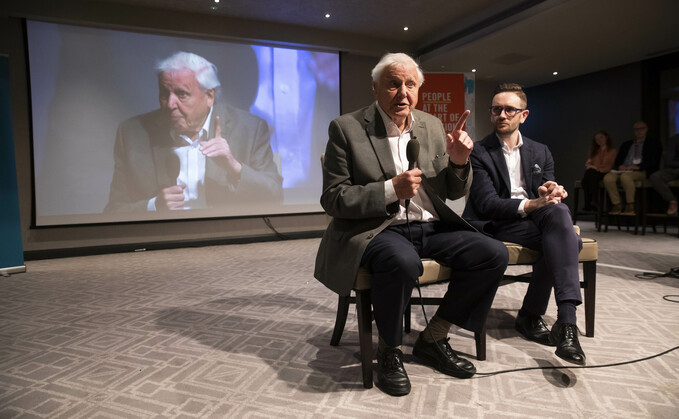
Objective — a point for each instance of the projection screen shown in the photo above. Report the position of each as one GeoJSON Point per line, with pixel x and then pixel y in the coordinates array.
{"type": "Point", "coordinates": [108, 140]}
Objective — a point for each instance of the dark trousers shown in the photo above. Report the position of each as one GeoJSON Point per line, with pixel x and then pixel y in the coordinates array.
{"type": "Point", "coordinates": [590, 186]}
{"type": "Point", "coordinates": [549, 230]}
{"type": "Point", "coordinates": [477, 263]}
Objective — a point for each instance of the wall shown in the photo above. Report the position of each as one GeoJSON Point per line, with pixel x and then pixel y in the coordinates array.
{"type": "Point", "coordinates": [566, 114]}
{"type": "Point", "coordinates": [358, 56]}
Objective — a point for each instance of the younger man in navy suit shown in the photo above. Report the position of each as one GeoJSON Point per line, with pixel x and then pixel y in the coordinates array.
{"type": "Point", "coordinates": [515, 198]}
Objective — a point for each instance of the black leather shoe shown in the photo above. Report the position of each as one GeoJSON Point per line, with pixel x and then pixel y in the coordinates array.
{"type": "Point", "coordinates": [565, 337]}
{"type": "Point", "coordinates": [391, 375]}
{"type": "Point", "coordinates": [533, 328]}
{"type": "Point", "coordinates": [442, 357]}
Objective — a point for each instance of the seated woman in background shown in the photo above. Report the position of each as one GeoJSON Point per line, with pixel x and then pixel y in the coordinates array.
{"type": "Point", "coordinates": [601, 158]}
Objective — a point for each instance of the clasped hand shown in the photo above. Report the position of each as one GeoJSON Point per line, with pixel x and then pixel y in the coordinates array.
{"type": "Point", "coordinates": [549, 193]}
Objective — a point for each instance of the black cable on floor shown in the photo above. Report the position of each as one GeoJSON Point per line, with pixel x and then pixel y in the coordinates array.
{"type": "Point", "coordinates": [672, 273]}
{"type": "Point", "coordinates": [281, 236]}
{"type": "Point", "coordinates": [573, 367]}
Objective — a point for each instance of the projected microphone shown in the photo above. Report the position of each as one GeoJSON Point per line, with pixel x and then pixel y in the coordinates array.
{"type": "Point", "coordinates": [412, 152]}
{"type": "Point", "coordinates": [173, 168]}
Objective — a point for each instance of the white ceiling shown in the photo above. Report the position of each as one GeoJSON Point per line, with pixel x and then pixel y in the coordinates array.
{"type": "Point", "coordinates": [504, 40]}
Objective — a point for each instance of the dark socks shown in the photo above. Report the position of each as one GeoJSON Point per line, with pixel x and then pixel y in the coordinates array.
{"type": "Point", "coordinates": [524, 313]}
{"type": "Point", "coordinates": [566, 313]}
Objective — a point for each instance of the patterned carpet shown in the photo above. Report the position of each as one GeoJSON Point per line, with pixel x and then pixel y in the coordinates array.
{"type": "Point", "coordinates": [243, 331]}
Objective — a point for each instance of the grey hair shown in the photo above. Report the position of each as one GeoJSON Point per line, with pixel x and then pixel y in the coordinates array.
{"type": "Point", "coordinates": [205, 71]}
{"type": "Point", "coordinates": [396, 59]}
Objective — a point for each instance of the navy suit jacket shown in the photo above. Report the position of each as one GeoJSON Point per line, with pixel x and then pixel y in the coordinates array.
{"type": "Point", "coordinates": [651, 152]}
{"type": "Point", "coordinates": [490, 193]}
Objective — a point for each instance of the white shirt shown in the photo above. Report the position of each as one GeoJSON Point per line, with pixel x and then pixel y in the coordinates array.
{"type": "Point", "coordinates": [421, 207]}
{"type": "Point", "coordinates": [191, 167]}
{"type": "Point", "coordinates": [516, 179]}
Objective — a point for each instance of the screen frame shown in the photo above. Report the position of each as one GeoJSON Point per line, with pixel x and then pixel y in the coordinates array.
{"type": "Point", "coordinates": [180, 35]}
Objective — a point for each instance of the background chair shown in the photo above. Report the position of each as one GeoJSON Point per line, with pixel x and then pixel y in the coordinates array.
{"type": "Point", "coordinates": [640, 207]}
{"type": "Point", "coordinates": [577, 211]}
{"type": "Point", "coordinates": [660, 217]}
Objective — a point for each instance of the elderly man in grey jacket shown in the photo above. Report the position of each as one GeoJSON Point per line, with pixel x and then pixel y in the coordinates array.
{"type": "Point", "coordinates": [387, 215]}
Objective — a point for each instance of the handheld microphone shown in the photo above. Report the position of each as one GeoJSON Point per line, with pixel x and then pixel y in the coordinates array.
{"type": "Point", "coordinates": [412, 152]}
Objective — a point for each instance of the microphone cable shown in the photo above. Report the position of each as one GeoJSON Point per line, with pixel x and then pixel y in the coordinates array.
{"type": "Point", "coordinates": [278, 234]}
{"type": "Point", "coordinates": [419, 289]}
{"type": "Point", "coordinates": [573, 367]}
{"type": "Point", "coordinates": [672, 273]}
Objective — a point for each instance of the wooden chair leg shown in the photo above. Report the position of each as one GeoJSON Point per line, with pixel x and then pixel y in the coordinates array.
{"type": "Point", "coordinates": [406, 318]}
{"type": "Point", "coordinates": [644, 209]}
{"type": "Point", "coordinates": [589, 276]}
{"type": "Point", "coordinates": [340, 320]}
{"type": "Point", "coordinates": [576, 207]}
{"type": "Point", "coordinates": [363, 312]}
{"type": "Point", "coordinates": [480, 339]}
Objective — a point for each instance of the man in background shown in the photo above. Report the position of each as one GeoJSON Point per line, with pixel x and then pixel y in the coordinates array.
{"type": "Point", "coordinates": [514, 197]}
{"type": "Point", "coordinates": [192, 153]}
{"type": "Point", "coordinates": [636, 159]}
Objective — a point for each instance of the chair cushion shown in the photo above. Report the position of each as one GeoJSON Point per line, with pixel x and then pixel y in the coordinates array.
{"type": "Point", "coordinates": [433, 272]}
{"type": "Point", "coordinates": [518, 255]}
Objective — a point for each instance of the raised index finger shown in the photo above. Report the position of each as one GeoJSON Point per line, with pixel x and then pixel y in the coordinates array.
{"type": "Point", "coordinates": [460, 122]}
{"type": "Point", "coordinates": [218, 128]}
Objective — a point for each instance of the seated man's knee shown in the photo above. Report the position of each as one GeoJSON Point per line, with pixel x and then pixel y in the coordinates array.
{"type": "Point", "coordinates": [409, 264]}
{"type": "Point", "coordinates": [495, 253]}
{"type": "Point", "coordinates": [559, 219]}
{"type": "Point", "coordinates": [610, 179]}
{"type": "Point", "coordinates": [559, 213]}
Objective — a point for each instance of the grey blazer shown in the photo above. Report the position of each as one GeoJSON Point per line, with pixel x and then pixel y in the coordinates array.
{"type": "Point", "coordinates": [357, 163]}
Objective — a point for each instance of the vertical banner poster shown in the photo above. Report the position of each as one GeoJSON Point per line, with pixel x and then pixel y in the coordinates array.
{"type": "Point", "coordinates": [11, 249]}
{"type": "Point", "coordinates": [446, 96]}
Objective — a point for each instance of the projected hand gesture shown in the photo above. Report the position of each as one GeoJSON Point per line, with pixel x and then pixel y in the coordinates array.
{"type": "Point", "coordinates": [171, 198]}
{"type": "Point", "coordinates": [217, 148]}
{"type": "Point", "coordinates": [459, 145]}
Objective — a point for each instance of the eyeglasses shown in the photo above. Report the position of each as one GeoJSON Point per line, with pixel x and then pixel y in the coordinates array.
{"type": "Point", "coordinates": [510, 111]}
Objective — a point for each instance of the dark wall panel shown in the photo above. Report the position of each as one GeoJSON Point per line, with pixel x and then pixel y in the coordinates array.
{"type": "Point", "coordinates": [566, 114]}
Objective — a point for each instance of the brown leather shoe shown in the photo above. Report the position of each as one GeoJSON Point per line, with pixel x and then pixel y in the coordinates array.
{"type": "Point", "coordinates": [616, 209]}
{"type": "Point", "coordinates": [629, 209]}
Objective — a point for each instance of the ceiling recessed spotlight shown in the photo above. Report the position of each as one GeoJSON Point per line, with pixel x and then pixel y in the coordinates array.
{"type": "Point", "coordinates": [555, 73]}
{"type": "Point", "coordinates": [327, 15]}
{"type": "Point", "coordinates": [216, 1]}
{"type": "Point", "coordinates": [405, 28]}
{"type": "Point", "coordinates": [473, 70]}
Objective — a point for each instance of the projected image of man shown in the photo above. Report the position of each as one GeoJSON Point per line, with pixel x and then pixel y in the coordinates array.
{"type": "Point", "coordinates": [193, 152]}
